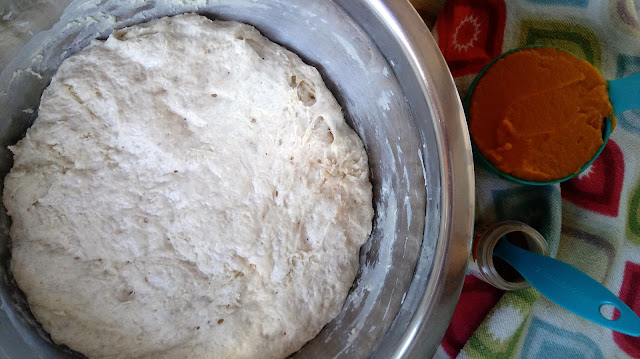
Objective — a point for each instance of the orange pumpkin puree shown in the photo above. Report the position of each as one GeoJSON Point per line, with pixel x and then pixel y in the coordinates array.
{"type": "Point", "coordinates": [538, 113]}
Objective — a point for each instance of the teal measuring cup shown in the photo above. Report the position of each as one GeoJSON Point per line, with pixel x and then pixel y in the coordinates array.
{"type": "Point", "coordinates": [624, 94]}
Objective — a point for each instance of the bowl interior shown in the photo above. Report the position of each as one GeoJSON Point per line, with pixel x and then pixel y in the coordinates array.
{"type": "Point", "coordinates": [380, 97]}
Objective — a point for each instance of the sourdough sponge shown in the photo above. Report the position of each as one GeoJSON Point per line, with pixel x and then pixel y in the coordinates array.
{"type": "Point", "coordinates": [189, 190]}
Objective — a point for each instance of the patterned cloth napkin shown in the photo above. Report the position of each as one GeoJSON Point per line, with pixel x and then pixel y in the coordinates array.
{"type": "Point", "coordinates": [591, 222]}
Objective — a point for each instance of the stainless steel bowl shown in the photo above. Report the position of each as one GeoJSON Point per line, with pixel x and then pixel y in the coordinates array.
{"type": "Point", "coordinates": [381, 62]}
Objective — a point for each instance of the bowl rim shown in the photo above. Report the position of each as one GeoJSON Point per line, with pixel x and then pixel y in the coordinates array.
{"type": "Point", "coordinates": [435, 309]}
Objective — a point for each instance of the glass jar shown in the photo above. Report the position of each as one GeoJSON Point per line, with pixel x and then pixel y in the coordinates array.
{"type": "Point", "coordinates": [494, 270]}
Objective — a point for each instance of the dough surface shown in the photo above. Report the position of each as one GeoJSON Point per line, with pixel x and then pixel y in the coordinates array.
{"type": "Point", "coordinates": [189, 190]}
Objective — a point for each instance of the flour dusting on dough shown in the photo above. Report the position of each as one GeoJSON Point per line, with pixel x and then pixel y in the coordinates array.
{"type": "Point", "coordinates": [188, 189]}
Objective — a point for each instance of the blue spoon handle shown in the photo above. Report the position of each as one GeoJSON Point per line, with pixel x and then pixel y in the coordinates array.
{"type": "Point", "coordinates": [624, 93]}
{"type": "Point", "coordinates": [568, 287]}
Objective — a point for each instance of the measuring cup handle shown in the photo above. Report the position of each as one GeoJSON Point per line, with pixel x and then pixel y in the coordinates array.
{"type": "Point", "coordinates": [570, 288]}
{"type": "Point", "coordinates": [624, 93]}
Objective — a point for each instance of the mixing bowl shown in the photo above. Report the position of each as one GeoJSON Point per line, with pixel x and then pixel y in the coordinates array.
{"type": "Point", "coordinates": [382, 64]}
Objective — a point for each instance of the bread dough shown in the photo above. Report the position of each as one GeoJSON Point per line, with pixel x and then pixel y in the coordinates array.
{"type": "Point", "coordinates": [189, 190]}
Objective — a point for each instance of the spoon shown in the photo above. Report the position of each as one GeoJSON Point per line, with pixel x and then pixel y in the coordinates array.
{"type": "Point", "coordinates": [569, 288]}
